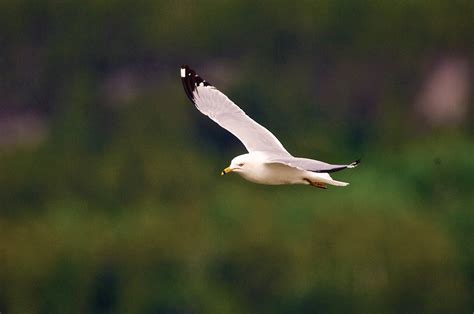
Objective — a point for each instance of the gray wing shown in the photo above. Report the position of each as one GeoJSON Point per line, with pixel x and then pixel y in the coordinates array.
{"type": "Point", "coordinates": [312, 165]}
{"type": "Point", "coordinates": [228, 115]}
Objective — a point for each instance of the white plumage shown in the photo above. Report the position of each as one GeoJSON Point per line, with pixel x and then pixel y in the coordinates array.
{"type": "Point", "coordinates": [267, 161]}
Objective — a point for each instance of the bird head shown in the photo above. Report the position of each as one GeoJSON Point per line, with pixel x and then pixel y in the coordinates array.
{"type": "Point", "coordinates": [237, 164]}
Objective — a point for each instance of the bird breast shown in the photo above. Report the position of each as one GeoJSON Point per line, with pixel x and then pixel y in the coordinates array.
{"type": "Point", "coordinates": [273, 174]}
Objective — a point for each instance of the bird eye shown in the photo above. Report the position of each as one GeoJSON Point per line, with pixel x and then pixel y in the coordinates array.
{"type": "Point", "coordinates": [240, 165]}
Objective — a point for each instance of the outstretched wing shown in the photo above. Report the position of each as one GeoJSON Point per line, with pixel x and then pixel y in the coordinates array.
{"type": "Point", "coordinates": [228, 115]}
{"type": "Point", "coordinates": [312, 165]}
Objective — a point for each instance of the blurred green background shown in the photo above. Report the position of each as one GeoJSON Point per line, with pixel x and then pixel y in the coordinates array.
{"type": "Point", "coordinates": [111, 199]}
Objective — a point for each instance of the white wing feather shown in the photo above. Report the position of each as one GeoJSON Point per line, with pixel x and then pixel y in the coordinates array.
{"type": "Point", "coordinates": [228, 115]}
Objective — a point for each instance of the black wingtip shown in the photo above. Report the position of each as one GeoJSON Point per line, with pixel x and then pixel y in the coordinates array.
{"type": "Point", "coordinates": [338, 168]}
{"type": "Point", "coordinates": [190, 81]}
{"type": "Point", "coordinates": [354, 164]}
{"type": "Point", "coordinates": [184, 69]}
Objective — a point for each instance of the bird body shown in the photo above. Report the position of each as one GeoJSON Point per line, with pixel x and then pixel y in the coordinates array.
{"type": "Point", "coordinates": [258, 167]}
{"type": "Point", "coordinates": [255, 167]}
{"type": "Point", "coordinates": [267, 161]}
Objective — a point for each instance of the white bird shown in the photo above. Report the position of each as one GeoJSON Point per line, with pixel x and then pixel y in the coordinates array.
{"type": "Point", "coordinates": [267, 161]}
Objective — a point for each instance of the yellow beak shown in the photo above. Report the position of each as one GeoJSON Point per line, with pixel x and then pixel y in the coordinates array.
{"type": "Point", "coordinates": [226, 171]}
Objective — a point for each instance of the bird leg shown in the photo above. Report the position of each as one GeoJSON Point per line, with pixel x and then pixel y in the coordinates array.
{"type": "Point", "coordinates": [317, 184]}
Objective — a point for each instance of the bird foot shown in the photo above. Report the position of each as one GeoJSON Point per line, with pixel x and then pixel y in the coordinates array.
{"type": "Point", "coordinates": [317, 184]}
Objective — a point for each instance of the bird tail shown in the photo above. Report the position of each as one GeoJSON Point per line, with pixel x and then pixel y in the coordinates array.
{"type": "Point", "coordinates": [326, 178]}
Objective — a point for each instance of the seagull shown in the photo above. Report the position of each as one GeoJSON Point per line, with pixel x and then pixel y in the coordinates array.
{"type": "Point", "coordinates": [267, 161]}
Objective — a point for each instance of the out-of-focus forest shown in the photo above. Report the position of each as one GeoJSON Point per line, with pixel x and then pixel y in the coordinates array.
{"type": "Point", "coordinates": [110, 194]}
